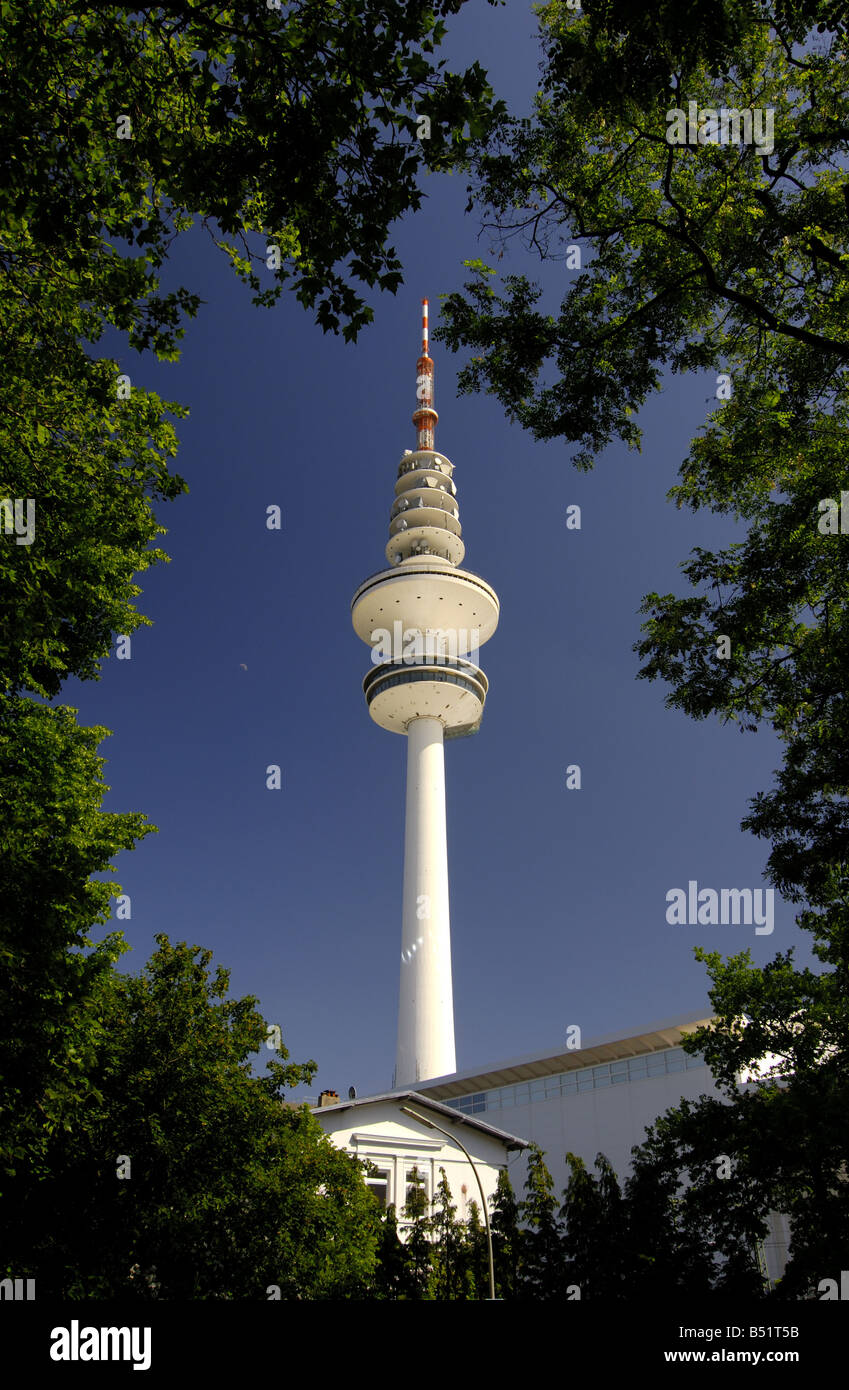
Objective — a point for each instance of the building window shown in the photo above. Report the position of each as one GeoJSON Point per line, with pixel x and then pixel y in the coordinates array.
{"type": "Point", "coordinates": [671, 1059]}
{"type": "Point", "coordinates": [378, 1185]}
{"type": "Point", "coordinates": [416, 1202]}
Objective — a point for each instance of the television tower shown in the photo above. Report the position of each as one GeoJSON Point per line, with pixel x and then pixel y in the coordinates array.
{"type": "Point", "coordinates": [424, 619]}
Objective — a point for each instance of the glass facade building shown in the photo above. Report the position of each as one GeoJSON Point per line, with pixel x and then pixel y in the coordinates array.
{"type": "Point", "coordinates": [571, 1083]}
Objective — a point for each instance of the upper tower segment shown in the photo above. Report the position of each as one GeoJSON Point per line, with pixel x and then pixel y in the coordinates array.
{"type": "Point", "coordinates": [425, 589]}
{"type": "Point", "coordinates": [425, 518]}
{"type": "Point", "coordinates": [424, 417]}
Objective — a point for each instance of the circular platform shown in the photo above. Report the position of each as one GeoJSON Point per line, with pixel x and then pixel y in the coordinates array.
{"type": "Point", "coordinates": [451, 690]}
{"type": "Point", "coordinates": [423, 594]}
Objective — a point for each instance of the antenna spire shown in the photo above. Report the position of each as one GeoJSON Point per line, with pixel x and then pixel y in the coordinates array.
{"type": "Point", "coordinates": [425, 417]}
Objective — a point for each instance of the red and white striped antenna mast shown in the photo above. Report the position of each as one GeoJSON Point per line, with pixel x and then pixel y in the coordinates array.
{"type": "Point", "coordinates": [425, 417]}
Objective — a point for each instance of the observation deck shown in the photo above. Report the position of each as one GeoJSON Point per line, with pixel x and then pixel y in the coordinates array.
{"type": "Point", "coordinates": [449, 689]}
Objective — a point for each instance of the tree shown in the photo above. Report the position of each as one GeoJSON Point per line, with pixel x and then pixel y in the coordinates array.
{"type": "Point", "coordinates": [541, 1248]}
{"type": "Point", "coordinates": [699, 255]}
{"type": "Point", "coordinates": [418, 1242]}
{"type": "Point", "coordinates": [185, 1176]}
{"type": "Point", "coordinates": [695, 1207]}
{"type": "Point", "coordinates": [706, 244]}
{"type": "Point", "coordinates": [394, 1277]}
{"type": "Point", "coordinates": [691, 1216]}
{"type": "Point", "coordinates": [449, 1256]}
{"type": "Point", "coordinates": [788, 1131]}
{"type": "Point", "coordinates": [476, 1254]}
{"type": "Point", "coordinates": [661, 1256]}
{"type": "Point", "coordinates": [593, 1230]}
{"type": "Point", "coordinates": [53, 838]}
{"type": "Point", "coordinates": [291, 135]}
{"type": "Point", "coordinates": [506, 1237]}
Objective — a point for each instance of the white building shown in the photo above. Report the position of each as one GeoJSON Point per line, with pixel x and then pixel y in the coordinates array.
{"type": "Point", "coordinates": [380, 1129]}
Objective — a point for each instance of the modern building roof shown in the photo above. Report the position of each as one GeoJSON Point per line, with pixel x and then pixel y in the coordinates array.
{"type": "Point", "coordinates": [612, 1047]}
{"type": "Point", "coordinates": [510, 1141]}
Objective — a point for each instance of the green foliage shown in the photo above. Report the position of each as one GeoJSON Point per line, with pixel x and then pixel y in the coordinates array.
{"type": "Point", "coordinates": [418, 1236]}
{"type": "Point", "coordinates": [91, 464]}
{"type": "Point", "coordinates": [688, 1222]}
{"type": "Point", "coordinates": [788, 1132]}
{"type": "Point", "coordinates": [441, 1259]}
{"type": "Point", "coordinates": [228, 1191]}
{"type": "Point", "coordinates": [395, 1278]}
{"type": "Point", "coordinates": [475, 1255]}
{"type": "Point", "coordinates": [53, 837]}
{"type": "Point", "coordinates": [449, 1264]}
{"type": "Point", "coordinates": [292, 129]}
{"type": "Point", "coordinates": [541, 1246]}
{"type": "Point", "coordinates": [593, 1222]}
{"type": "Point", "coordinates": [708, 256]}
{"type": "Point", "coordinates": [298, 122]}
{"type": "Point", "coordinates": [506, 1238]}
{"type": "Point", "coordinates": [691, 1226]}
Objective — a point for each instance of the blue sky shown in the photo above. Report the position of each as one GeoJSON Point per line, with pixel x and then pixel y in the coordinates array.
{"type": "Point", "coordinates": [558, 897]}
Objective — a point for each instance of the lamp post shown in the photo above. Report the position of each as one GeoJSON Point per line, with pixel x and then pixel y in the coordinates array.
{"type": "Point", "coordinates": [431, 1124]}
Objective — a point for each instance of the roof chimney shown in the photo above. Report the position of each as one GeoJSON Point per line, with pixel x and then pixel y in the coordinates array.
{"type": "Point", "coordinates": [328, 1098]}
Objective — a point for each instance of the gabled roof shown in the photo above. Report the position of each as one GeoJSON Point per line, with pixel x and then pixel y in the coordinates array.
{"type": "Point", "coordinates": [510, 1141]}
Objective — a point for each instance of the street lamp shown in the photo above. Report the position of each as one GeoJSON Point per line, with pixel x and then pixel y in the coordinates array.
{"type": "Point", "coordinates": [405, 1110]}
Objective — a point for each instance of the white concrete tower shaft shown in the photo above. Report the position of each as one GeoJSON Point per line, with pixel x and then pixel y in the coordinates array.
{"type": "Point", "coordinates": [424, 619]}
{"type": "Point", "coordinates": [426, 1003]}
